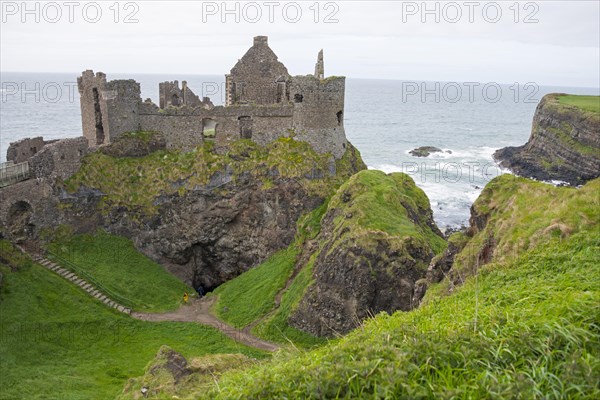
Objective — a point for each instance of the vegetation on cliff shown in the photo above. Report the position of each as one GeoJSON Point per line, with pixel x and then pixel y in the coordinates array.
{"type": "Point", "coordinates": [136, 182]}
{"type": "Point", "coordinates": [514, 215]}
{"type": "Point", "coordinates": [385, 216]}
{"type": "Point", "coordinates": [587, 103]}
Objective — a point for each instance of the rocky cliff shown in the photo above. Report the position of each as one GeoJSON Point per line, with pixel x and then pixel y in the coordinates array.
{"type": "Point", "coordinates": [564, 143]}
{"type": "Point", "coordinates": [207, 215]}
{"type": "Point", "coordinates": [376, 240]}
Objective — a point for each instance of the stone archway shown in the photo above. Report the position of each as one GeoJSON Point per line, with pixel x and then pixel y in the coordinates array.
{"type": "Point", "coordinates": [19, 222]}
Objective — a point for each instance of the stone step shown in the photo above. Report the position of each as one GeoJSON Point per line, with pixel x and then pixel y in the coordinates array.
{"type": "Point", "coordinates": [89, 288]}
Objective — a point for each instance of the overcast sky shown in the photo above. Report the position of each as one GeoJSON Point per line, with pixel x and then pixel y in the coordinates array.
{"type": "Point", "coordinates": [546, 42]}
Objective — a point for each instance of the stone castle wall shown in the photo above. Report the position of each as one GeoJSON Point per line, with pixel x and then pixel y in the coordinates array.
{"type": "Point", "coordinates": [263, 103]}
{"type": "Point", "coordinates": [24, 149]}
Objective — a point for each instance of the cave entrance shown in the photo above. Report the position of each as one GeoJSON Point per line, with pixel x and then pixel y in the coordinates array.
{"type": "Point", "coordinates": [209, 129]}
{"type": "Point", "coordinates": [98, 117]}
{"type": "Point", "coordinates": [245, 124]}
{"type": "Point", "coordinates": [19, 221]}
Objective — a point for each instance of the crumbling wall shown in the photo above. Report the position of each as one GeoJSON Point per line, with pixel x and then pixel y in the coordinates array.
{"type": "Point", "coordinates": [181, 132]}
{"type": "Point", "coordinates": [171, 96]}
{"type": "Point", "coordinates": [258, 77]}
{"type": "Point", "coordinates": [123, 98]}
{"type": "Point", "coordinates": [108, 109]}
{"type": "Point", "coordinates": [60, 159]}
{"type": "Point", "coordinates": [94, 119]}
{"type": "Point", "coordinates": [24, 149]}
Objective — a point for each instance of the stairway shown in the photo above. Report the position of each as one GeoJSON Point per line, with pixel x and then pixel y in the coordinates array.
{"type": "Point", "coordinates": [88, 287]}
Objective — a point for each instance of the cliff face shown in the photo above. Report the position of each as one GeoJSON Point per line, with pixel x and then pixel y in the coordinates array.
{"type": "Point", "coordinates": [207, 215]}
{"type": "Point", "coordinates": [564, 144]}
{"type": "Point", "coordinates": [376, 240]}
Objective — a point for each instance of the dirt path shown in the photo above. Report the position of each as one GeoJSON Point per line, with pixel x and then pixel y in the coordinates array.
{"type": "Point", "coordinates": [198, 310]}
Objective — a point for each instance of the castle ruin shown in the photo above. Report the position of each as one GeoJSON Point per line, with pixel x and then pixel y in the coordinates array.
{"type": "Point", "coordinates": [263, 102]}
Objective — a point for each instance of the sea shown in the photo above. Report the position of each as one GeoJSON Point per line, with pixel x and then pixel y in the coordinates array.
{"type": "Point", "coordinates": [384, 119]}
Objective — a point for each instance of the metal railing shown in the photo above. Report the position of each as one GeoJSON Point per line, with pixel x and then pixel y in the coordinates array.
{"type": "Point", "coordinates": [11, 173]}
{"type": "Point", "coordinates": [80, 272]}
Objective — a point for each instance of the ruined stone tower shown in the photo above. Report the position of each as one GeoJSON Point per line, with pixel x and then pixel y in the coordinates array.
{"type": "Point", "coordinates": [319, 66]}
{"type": "Point", "coordinates": [107, 108]}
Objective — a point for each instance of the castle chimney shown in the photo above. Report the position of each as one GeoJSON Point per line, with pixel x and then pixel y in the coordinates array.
{"type": "Point", "coordinates": [261, 40]}
{"type": "Point", "coordinates": [319, 66]}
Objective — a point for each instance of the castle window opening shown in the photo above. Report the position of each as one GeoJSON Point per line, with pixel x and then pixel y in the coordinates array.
{"type": "Point", "coordinates": [340, 117]}
{"type": "Point", "coordinates": [298, 98]}
{"type": "Point", "coordinates": [98, 117]}
{"type": "Point", "coordinates": [209, 128]}
{"type": "Point", "coordinates": [175, 100]}
{"type": "Point", "coordinates": [245, 124]}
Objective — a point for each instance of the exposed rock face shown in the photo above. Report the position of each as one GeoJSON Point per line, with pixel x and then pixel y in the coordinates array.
{"type": "Point", "coordinates": [209, 233]}
{"type": "Point", "coordinates": [208, 238]}
{"type": "Point", "coordinates": [377, 238]}
{"type": "Point", "coordinates": [564, 145]}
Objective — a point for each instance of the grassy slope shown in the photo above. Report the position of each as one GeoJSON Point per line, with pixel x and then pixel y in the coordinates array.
{"type": "Point", "coordinates": [251, 295]}
{"type": "Point", "coordinates": [58, 342]}
{"type": "Point", "coordinates": [382, 204]}
{"type": "Point", "coordinates": [526, 326]}
{"type": "Point", "coordinates": [536, 336]}
{"type": "Point", "coordinates": [114, 262]}
{"type": "Point", "coordinates": [523, 213]}
{"type": "Point", "coordinates": [375, 207]}
{"type": "Point", "coordinates": [588, 103]}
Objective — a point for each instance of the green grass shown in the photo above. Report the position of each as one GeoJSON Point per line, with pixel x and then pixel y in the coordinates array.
{"type": "Point", "coordinates": [116, 264]}
{"type": "Point", "coordinates": [588, 103]}
{"type": "Point", "coordinates": [276, 327]}
{"type": "Point", "coordinates": [524, 329]}
{"type": "Point", "coordinates": [523, 214]}
{"type": "Point", "coordinates": [384, 203]}
{"type": "Point", "coordinates": [379, 204]}
{"type": "Point", "coordinates": [135, 182]}
{"type": "Point", "coordinates": [252, 294]}
{"type": "Point", "coordinates": [57, 342]}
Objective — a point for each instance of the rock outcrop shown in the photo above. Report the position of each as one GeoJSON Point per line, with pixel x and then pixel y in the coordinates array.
{"type": "Point", "coordinates": [564, 144]}
{"type": "Point", "coordinates": [376, 241]}
{"type": "Point", "coordinates": [206, 215]}
{"type": "Point", "coordinates": [170, 375]}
